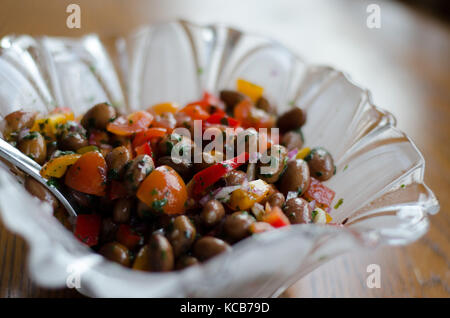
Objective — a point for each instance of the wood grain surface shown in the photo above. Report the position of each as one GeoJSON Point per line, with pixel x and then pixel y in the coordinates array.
{"type": "Point", "coordinates": [405, 63]}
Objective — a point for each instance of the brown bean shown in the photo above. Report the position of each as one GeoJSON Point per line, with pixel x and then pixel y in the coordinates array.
{"type": "Point", "coordinates": [116, 252]}
{"type": "Point", "coordinates": [264, 104]}
{"type": "Point", "coordinates": [208, 247]}
{"type": "Point", "coordinates": [168, 142]}
{"type": "Point", "coordinates": [34, 146]}
{"type": "Point", "coordinates": [186, 261]}
{"type": "Point", "coordinates": [292, 140]}
{"type": "Point", "coordinates": [237, 225]}
{"type": "Point", "coordinates": [296, 178]}
{"type": "Point", "coordinates": [272, 171]}
{"type": "Point", "coordinates": [122, 210]}
{"type": "Point", "coordinates": [108, 230]}
{"type": "Point", "coordinates": [161, 254]}
{"type": "Point", "coordinates": [116, 161]}
{"type": "Point", "coordinates": [182, 234]}
{"type": "Point", "coordinates": [321, 164]}
{"type": "Point", "coordinates": [142, 260]}
{"type": "Point", "coordinates": [235, 177]}
{"type": "Point", "coordinates": [231, 98]}
{"type": "Point", "coordinates": [99, 116]}
{"type": "Point", "coordinates": [139, 168]}
{"type": "Point", "coordinates": [291, 120]}
{"type": "Point", "coordinates": [143, 210]}
{"type": "Point", "coordinates": [73, 137]}
{"type": "Point", "coordinates": [298, 211]}
{"type": "Point", "coordinates": [19, 120]}
{"type": "Point", "coordinates": [276, 199]}
{"type": "Point", "coordinates": [39, 191]}
{"type": "Point", "coordinates": [183, 167]}
{"type": "Point", "coordinates": [212, 213]}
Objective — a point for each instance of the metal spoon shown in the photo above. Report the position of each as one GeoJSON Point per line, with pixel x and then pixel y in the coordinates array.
{"type": "Point", "coordinates": [32, 168]}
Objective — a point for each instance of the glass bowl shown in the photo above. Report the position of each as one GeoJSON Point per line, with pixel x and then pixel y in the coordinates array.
{"type": "Point", "coordinates": [379, 169]}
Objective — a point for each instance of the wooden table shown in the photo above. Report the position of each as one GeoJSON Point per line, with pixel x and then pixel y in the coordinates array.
{"type": "Point", "coordinates": [405, 63]}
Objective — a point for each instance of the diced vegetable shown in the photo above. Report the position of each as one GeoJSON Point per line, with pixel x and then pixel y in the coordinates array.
{"type": "Point", "coordinates": [48, 126]}
{"type": "Point", "coordinates": [148, 134]}
{"type": "Point", "coordinates": [144, 149]}
{"type": "Point", "coordinates": [134, 123]}
{"type": "Point", "coordinates": [207, 177]}
{"type": "Point", "coordinates": [249, 89]}
{"type": "Point", "coordinates": [127, 237]}
{"type": "Point", "coordinates": [196, 112]}
{"type": "Point", "coordinates": [83, 150]}
{"type": "Point", "coordinates": [168, 107]}
{"type": "Point", "coordinates": [260, 227]}
{"type": "Point", "coordinates": [319, 216]}
{"type": "Point", "coordinates": [275, 217]}
{"type": "Point", "coordinates": [222, 119]}
{"type": "Point", "coordinates": [57, 167]}
{"type": "Point", "coordinates": [164, 191]}
{"type": "Point", "coordinates": [87, 228]}
{"type": "Point", "coordinates": [320, 193]}
{"type": "Point", "coordinates": [302, 153]}
{"type": "Point", "coordinates": [244, 199]}
{"type": "Point", "coordinates": [98, 138]}
{"type": "Point", "coordinates": [209, 103]}
{"type": "Point", "coordinates": [250, 116]}
{"type": "Point", "coordinates": [88, 174]}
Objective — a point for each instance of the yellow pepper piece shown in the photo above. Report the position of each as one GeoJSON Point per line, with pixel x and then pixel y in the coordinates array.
{"type": "Point", "coordinates": [249, 89]}
{"type": "Point", "coordinates": [48, 126]}
{"type": "Point", "coordinates": [244, 199]}
{"type": "Point", "coordinates": [168, 107]}
{"type": "Point", "coordinates": [83, 150]}
{"type": "Point", "coordinates": [57, 167]}
{"type": "Point", "coordinates": [302, 153]}
{"type": "Point", "coordinates": [329, 218]}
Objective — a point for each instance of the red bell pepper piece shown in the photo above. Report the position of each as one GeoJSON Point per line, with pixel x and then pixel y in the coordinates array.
{"type": "Point", "coordinates": [126, 236]}
{"type": "Point", "coordinates": [144, 149]}
{"type": "Point", "coordinates": [210, 103]}
{"type": "Point", "coordinates": [117, 190]}
{"type": "Point", "coordinates": [87, 228]}
{"type": "Point", "coordinates": [207, 177]}
{"type": "Point", "coordinates": [223, 119]}
{"type": "Point", "coordinates": [275, 217]}
{"type": "Point", "coordinates": [320, 193]}
{"type": "Point", "coordinates": [150, 133]}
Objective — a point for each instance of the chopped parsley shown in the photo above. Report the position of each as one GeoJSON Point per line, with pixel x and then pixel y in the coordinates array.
{"type": "Point", "coordinates": [159, 204]}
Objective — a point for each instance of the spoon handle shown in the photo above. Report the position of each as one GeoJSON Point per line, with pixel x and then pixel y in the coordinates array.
{"type": "Point", "coordinates": [32, 168]}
